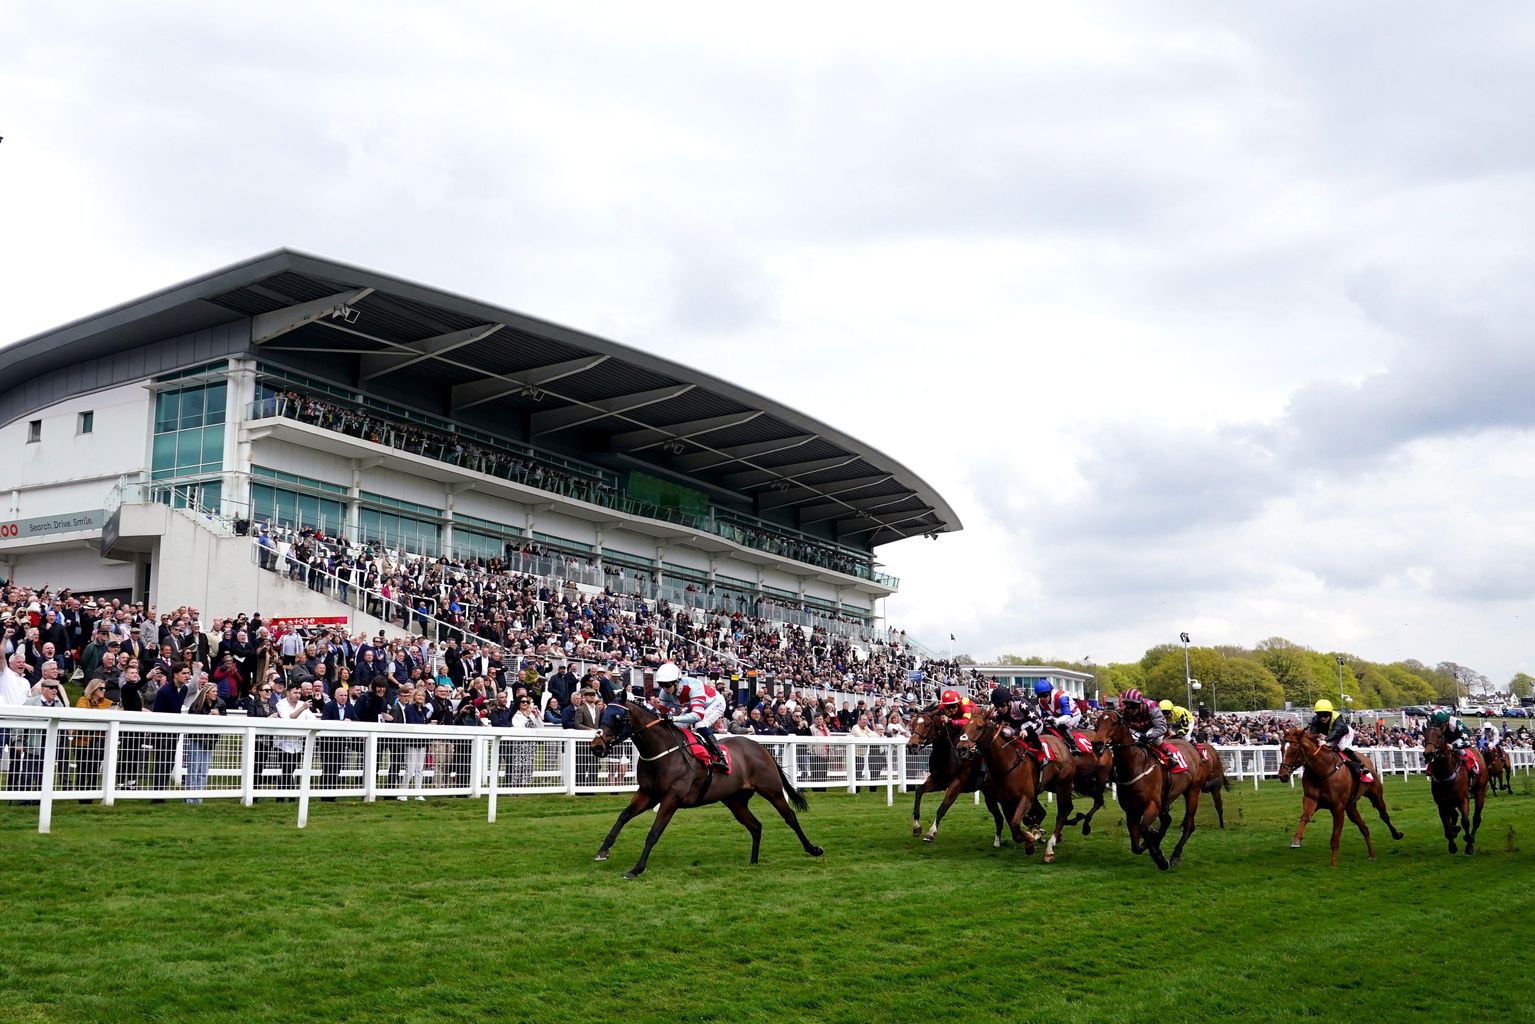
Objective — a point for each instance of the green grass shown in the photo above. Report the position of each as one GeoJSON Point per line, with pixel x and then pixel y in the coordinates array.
{"type": "Point", "coordinates": [416, 912]}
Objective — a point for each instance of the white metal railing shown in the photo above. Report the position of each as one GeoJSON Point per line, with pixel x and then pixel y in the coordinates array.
{"type": "Point", "coordinates": [50, 754]}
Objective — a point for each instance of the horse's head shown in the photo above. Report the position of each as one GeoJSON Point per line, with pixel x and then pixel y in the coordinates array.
{"type": "Point", "coordinates": [1297, 745]}
{"type": "Point", "coordinates": [1435, 746]}
{"type": "Point", "coordinates": [617, 725]}
{"type": "Point", "coordinates": [1110, 731]}
{"type": "Point", "coordinates": [925, 725]}
{"type": "Point", "coordinates": [978, 729]}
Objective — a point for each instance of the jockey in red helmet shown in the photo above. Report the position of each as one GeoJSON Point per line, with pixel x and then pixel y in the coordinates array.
{"type": "Point", "coordinates": [957, 709]}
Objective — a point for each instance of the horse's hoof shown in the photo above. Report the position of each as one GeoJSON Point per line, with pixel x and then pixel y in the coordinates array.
{"type": "Point", "coordinates": [916, 830]}
{"type": "Point", "coordinates": [631, 875]}
{"type": "Point", "coordinates": [1175, 862]}
{"type": "Point", "coordinates": [928, 838]}
{"type": "Point", "coordinates": [1049, 858]}
{"type": "Point", "coordinates": [815, 851]}
{"type": "Point", "coordinates": [1470, 849]}
{"type": "Point", "coordinates": [1397, 835]}
{"type": "Point", "coordinates": [601, 855]}
{"type": "Point", "coordinates": [1162, 864]}
{"type": "Point", "coordinates": [1087, 830]}
{"type": "Point", "coordinates": [1296, 845]}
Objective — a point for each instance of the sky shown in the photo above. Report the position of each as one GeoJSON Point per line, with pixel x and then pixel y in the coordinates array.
{"type": "Point", "coordinates": [1204, 318]}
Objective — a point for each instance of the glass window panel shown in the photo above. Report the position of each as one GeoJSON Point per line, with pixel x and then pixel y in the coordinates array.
{"type": "Point", "coordinates": [213, 445]}
{"type": "Point", "coordinates": [164, 452]}
{"type": "Point", "coordinates": [166, 406]}
{"type": "Point", "coordinates": [189, 448]}
{"type": "Point", "coordinates": [213, 404]}
{"type": "Point", "coordinates": [191, 408]}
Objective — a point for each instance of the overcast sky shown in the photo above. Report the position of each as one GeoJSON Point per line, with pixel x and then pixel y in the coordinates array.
{"type": "Point", "coordinates": [1202, 318]}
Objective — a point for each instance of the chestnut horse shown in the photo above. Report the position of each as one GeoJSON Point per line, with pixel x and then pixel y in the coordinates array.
{"type": "Point", "coordinates": [946, 771]}
{"type": "Point", "coordinates": [1147, 789]}
{"type": "Point", "coordinates": [671, 778]}
{"type": "Point", "coordinates": [1014, 771]}
{"type": "Point", "coordinates": [1455, 786]}
{"type": "Point", "coordinates": [1327, 782]}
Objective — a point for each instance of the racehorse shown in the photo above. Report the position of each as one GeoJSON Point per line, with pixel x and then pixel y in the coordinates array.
{"type": "Point", "coordinates": [1015, 776]}
{"type": "Point", "coordinates": [1147, 788]}
{"type": "Point", "coordinates": [946, 771]}
{"type": "Point", "coordinates": [1455, 784]}
{"type": "Point", "coordinates": [670, 777]}
{"type": "Point", "coordinates": [1500, 770]}
{"type": "Point", "coordinates": [1216, 781]}
{"type": "Point", "coordinates": [1327, 782]}
{"type": "Point", "coordinates": [1092, 781]}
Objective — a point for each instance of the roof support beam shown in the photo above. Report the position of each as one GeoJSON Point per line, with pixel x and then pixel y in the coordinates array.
{"type": "Point", "coordinates": [639, 440]}
{"type": "Point", "coordinates": [266, 326]}
{"type": "Point", "coordinates": [840, 510]}
{"type": "Point", "coordinates": [759, 477]}
{"type": "Point", "coordinates": [478, 392]}
{"type": "Point", "coordinates": [700, 461]}
{"type": "Point", "coordinates": [589, 412]}
{"type": "Point", "coordinates": [800, 494]}
{"type": "Point", "coordinates": [868, 524]}
{"type": "Point", "coordinates": [379, 364]}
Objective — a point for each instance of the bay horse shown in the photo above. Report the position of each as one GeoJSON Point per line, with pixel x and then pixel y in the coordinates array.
{"type": "Point", "coordinates": [948, 772]}
{"type": "Point", "coordinates": [1327, 782]}
{"type": "Point", "coordinates": [1147, 788]}
{"type": "Point", "coordinates": [1014, 772]}
{"type": "Point", "coordinates": [1455, 786]}
{"type": "Point", "coordinates": [671, 778]}
{"type": "Point", "coordinates": [1500, 770]}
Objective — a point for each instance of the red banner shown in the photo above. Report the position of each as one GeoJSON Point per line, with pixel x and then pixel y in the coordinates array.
{"type": "Point", "coordinates": [283, 623]}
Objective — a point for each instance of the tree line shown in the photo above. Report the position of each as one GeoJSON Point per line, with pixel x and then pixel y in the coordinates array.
{"type": "Point", "coordinates": [1236, 678]}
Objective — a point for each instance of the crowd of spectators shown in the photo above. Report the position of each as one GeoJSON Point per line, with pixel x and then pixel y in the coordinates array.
{"type": "Point", "coordinates": [525, 468]}
{"type": "Point", "coordinates": [1370, 729]}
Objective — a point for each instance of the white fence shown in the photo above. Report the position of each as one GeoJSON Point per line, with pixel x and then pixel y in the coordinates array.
{"type": "Point", "coordinates": [49, 754]}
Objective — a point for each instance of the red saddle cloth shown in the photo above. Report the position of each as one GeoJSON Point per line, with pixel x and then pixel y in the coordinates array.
{"type": "Point", "coordinates": [1083, 741]}
{"type": "Point", "coordinates": [1172, 758]}
{"type": "Point", "coordinates": [698, 749]}
{"type": "Point", "coordinates": [1471, 762]}
{"type": "Point", "coordinates": [1204, 750]}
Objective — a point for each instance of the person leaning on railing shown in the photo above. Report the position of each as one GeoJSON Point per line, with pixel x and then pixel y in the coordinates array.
{"type": "Point", "coordinates": [88, 746]}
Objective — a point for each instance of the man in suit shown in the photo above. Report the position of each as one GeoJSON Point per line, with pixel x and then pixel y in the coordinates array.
{"type": "Point", "coordinates": [336, 751]}
{"type": "Point", "coordinates": [582, 714]}
{"type": "Point", "coordinates": [562, 684]}
{"type": "Point", "coordinates": [169, 700]}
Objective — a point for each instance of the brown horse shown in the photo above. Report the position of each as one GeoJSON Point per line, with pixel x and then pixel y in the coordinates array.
{"type": "Point", "coordinates": [946, 771]}
{"type": "Point", "coordinates": [1013, 767]}
{"type": "Point", "coordinates": [1327, 782]}
{"type": "Point", "coordinates": [1500, 771]}
{"type": "Point", "coordinates": [1216, 781]}
{"type": "Point", "coordinates": [1147, 788]}
{"type": "Point", "coordinates": [1455, 783]}
{"type": "Point", "coordinates": [671, 778]}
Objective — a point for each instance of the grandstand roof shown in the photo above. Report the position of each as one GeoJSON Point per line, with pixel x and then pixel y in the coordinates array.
{"type": "Point", "coordinates": [482, 364]}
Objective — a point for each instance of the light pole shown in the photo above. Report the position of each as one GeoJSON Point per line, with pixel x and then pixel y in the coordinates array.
{"type": "Point", "coordinates": [1188, 681]}
{"type": "Point", "coordinates": [1340, 683]}
{"type": "Point", "coordinates": [1194, 687]}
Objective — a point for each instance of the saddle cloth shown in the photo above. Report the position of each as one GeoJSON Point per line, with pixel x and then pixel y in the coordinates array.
{"type": "Point", "coordinates": [1172, 758]}
{"type": "Point", "coordinates": [1471, 762]}
{"type": "Point", "coordinates": [1083, 741]}
{"type": "Point", "coordinates": [697, 748]}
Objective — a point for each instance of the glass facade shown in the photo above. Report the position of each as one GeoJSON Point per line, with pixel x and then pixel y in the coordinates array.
{"type": "Point", "coordinates": [189, 432]}
{"type": "Point", "coordinates": [400, 524]}
{"type": "Point", "coordinates": [283, 507]}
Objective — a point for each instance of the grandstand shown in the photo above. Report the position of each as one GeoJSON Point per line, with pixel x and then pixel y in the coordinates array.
{"type": "Point", "coordinates": [307, 398]}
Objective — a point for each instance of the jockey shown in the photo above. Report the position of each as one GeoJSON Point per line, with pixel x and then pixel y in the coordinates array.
{"type": "Point", "coordinates": [1023, 715]}
{"type": "Point", "coordinates": [702, 704]}
{"type": "Point", "coordinates": [1178, 719]}
{"type": "Point", "coordinates": [1453, 728]}
{"type": "Point", "coordinates": [1491, 739]}
{"type": "Point", "coordinates": [1143, 718]}
{"type": "Point", "coordinates": [1336, 732]}
{"type": "Point", "coordinates": [1056, 708]}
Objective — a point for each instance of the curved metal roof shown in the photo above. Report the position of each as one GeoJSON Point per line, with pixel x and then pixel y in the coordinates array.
{"type": "Point", "coordinates": [482, 364]}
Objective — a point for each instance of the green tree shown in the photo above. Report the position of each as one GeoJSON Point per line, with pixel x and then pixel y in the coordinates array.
{"type": "Point", "coordinates": [1522, 685]}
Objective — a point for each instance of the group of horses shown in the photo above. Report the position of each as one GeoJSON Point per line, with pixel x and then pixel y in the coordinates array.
{"type": "Point", "coordinates": [1014, 778]}
{"type": "Point", "coordinates": [984, 754]}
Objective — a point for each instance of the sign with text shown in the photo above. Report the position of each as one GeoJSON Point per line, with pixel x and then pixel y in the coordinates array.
{"type": "Point", "coordinates": [42, 526]}
{"type": "Point", "coordinates": [283, 623]}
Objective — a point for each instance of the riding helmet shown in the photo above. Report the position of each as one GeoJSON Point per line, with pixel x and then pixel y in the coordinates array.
{"type": "Point", "coordinates": [1323, 707]}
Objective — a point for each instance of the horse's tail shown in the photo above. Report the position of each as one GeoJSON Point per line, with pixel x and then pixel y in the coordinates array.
{"type": "Point", "coordinates": [795, 796]}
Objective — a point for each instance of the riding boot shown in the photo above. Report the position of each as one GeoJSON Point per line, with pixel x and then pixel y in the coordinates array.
{"type": "Point", "coordinates": [715, 753]}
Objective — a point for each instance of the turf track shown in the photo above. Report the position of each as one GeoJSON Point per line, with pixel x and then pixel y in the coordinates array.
{"type": "Point", "coordinates": [416, 912]}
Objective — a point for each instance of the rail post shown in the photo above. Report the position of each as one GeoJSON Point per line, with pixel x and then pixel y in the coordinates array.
{"type": "Point", "coordinates": [45, 797]}
{"type": "Point", "coordinates": [303, 779]}
{"type": "Point", "coordinates": [248, 766]}
{"type": "Point", "coordinates": [495, 777]}
{"type": "Point", "coordinates": [109, 767]}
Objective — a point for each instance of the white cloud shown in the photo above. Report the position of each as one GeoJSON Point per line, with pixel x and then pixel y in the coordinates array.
{"type": "Point", "coordinates": [1211, 320]}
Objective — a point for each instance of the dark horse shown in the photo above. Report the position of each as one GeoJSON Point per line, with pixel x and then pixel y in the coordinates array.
{"type": "Point", "coordinates": [1328, 782]}
{"type": "Point", "coordinates": [1456, 784]}
{"type": "Point", "coordinates": [948, 772]}
{"type": "Point", "coordinates": [670, 778]}
{"type": "Point", "coordinates": [1500, 771]}
{"type": "Point", "coordinates": [1146, 788]}
{"type": "Point", "coordinates": [1019, 780]}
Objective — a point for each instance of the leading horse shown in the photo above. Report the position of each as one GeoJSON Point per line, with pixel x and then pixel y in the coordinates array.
{"type": "Point", "coordinates": [670, 778]}
{"type": "Point", "coordinates": [948, 772]}
{"type": "Point", "coordinates": [1327, 782]}
{"type": "Point", "coordinates": [1147, 788]}
{"type": "Point", "coordinates": [1456, 783]}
